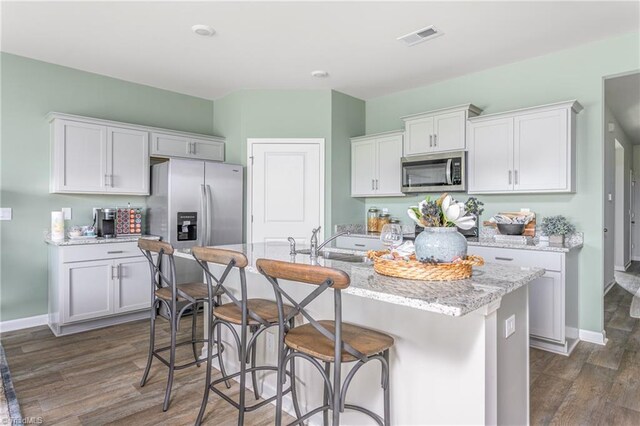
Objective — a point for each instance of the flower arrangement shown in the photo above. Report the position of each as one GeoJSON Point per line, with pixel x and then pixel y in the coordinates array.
{"type": "Point", "coordinates": [442, 212]}
{"type": "Point", "coordinates": [557, 225]}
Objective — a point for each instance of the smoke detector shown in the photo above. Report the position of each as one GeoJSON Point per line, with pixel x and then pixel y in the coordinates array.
{"type": "Point", "coordinates": [319, 74]}
{"type": "Point", "coordinates": [420, 35]}
{"type": "Point", "coordinates": [203, 30]}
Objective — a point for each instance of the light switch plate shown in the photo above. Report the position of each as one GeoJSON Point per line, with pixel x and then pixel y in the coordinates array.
{"type": "Point", "coordinates": [67, 213]}
{"type": "Point", "coordinates": [509, 326]}
{"type": "Point", "coordinates": [6, 213]}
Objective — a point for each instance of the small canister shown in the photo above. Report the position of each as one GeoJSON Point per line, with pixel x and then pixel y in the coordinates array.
{"type": "Point", "coordinates": [372, 219]}
{"type": "Point", "coordinates": [394, 221]}
{"type": "Point", "coordinates": [383, 219]}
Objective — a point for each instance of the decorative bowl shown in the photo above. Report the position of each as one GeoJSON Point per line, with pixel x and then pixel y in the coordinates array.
{"type": "Point", "coordinates": [511, 228]}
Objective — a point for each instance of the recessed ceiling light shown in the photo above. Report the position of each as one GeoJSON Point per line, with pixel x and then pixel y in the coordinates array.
{"type": "Point", "coordinates": [319, 74]}
{"type": "Point", "coordinates": [418, 36]}
{"type": "Point", "coordinates": [203, 30]}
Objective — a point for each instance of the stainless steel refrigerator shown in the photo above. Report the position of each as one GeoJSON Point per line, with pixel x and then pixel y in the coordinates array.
{"type": "Point", "coordinates": [195, 202]}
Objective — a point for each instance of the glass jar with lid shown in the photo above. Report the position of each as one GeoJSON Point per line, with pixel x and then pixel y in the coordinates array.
{"type": "Point", "coordinates": [383, 219]}
{"type": "Point", "coordinates": [372, 219]}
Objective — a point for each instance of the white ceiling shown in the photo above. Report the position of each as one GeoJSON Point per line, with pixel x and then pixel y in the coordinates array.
{"type": "Point", "coordinates": [275, 45]}
{"type": "Point", "coordinates": [622, 95]}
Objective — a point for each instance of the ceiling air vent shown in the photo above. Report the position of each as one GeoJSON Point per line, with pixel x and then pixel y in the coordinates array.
{"type": "Point", "coordinates": [420, 35]}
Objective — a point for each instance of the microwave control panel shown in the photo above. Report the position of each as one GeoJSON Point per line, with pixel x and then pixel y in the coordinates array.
{"type": "Point", "coordinates": [456, 171]}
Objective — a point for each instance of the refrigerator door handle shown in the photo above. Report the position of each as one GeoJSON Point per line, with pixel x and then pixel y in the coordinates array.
{"type": "Point", "coordinates": [209, 216]}
{"type": "Point", "coordinates": [203, 208]}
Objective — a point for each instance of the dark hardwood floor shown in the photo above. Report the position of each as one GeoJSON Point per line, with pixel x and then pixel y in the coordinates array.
{"type": "Point", "coordinates": [596, 385]}
{"type": "Point", "coordinates": [92, 378]}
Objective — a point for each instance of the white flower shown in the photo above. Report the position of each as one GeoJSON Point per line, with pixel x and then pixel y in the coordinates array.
{"type": "Point", "coordinates": [455, 212]}
{"type": "Point", "coordinates": [413, 216]}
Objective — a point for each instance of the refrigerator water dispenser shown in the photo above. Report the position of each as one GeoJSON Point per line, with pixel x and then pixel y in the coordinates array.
{"type": "Point", "coordinates": [187, 226]}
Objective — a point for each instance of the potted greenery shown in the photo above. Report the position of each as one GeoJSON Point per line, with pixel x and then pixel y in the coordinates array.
{"type": "Point", "coordinates": [440, 241]}
{"type": "Point", "coordinates": [556, 228]}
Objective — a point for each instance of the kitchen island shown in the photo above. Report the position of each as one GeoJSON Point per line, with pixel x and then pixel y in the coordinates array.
{"type": "Point", "coordinates": [451, 363]}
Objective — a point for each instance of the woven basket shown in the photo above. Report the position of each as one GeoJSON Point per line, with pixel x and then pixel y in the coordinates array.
{"type": "Point", "coordinates": [413, 269]}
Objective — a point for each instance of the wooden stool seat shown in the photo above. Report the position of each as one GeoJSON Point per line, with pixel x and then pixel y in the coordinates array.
{"type": "Point", "coordinates": [265, 309]}
{"type": "Point", "coordinates": [195, 290]}
{"type": "Point", "coordinates": [307, 339]}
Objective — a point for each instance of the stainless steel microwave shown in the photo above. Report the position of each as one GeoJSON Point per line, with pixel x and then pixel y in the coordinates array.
{"type": "Point", "coordinates": [434, 173]}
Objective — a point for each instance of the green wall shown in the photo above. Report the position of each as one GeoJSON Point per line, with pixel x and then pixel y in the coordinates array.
{"type": "Point", "coordinates": [298, 114]}
{"type": "Point", "coordinates": [570, 74]}
{"type": "Point", "coordinates": [31, 89]}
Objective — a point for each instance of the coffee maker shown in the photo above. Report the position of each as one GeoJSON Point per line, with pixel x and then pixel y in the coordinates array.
{"type": "Point", "coordinates": [105, 222]}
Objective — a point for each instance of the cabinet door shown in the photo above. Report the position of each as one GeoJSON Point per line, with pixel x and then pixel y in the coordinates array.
{"type": "Point", "coordinates": [541, 150]}
{"type": "Point", "coordinates": [170, 145]}
{"type": "Point", "coordinates": [490, 159]}
{"type": "Point", "coordinates": [363, 168]}
{"type": "Point", "coordinates": [79, 157]}
{"type": "Point", "coordinates": [208, 150]}
{"type": "Point", "coordinates": [546, 307]}
{"type": "Point", "coordinates": [449, 134]}
{"type": "Point", "coordinates": [86, 288]}
{"type": "Point", "coordinates": [418, 136]}
{"type": "Point", "coordinates": [132, 285]}
{"type": "Point", "coordinates": [128, 161]}
{"type": "Point", "coordinates": [389, 167]}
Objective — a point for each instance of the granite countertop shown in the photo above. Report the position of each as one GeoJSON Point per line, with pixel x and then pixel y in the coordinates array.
{"type": "Point", "coordinates": [486, 239]}
{"type": "Point", "coordinates": [455, 298]}
{"type": "Point", "coordinates": [98, 240]}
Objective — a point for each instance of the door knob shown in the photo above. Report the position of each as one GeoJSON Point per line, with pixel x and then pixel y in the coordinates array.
{"type": "Point", "coordinates": [606, 230]}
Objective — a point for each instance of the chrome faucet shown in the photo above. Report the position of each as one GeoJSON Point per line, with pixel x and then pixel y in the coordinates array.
{"type": "Point", "coordinates": [315, 248]}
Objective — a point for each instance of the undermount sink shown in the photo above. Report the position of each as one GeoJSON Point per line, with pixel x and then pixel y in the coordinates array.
{"type": "Point", "coordinates": [342, 257]}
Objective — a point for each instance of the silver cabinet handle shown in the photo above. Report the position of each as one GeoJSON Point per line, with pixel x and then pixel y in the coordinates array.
{"type": "Point", "coordinates": [359, 245]}
{"type": "Point", "coordinates": [430, 141]}
{"type": "Point", "coordinates": [111, 181]}
{"type": "Point", "coordinates": [515, 174]}
{"type": "Point", "coordinates": [435, 140]}
{"type": "Point", "coordinates": [508, 259]}
{"type": "Point", "coordinates": [509, 177]}
{"type": "Point", "coordinates": [194, 147]}
{"type": "Point", "coordinates": [373, 184]}
{"type": "Point", "coordinates": [113, 272]}
{"type": "Point", "coordinates": [115, 252]}
{"type": "Point", "coordinates": [377, 184]}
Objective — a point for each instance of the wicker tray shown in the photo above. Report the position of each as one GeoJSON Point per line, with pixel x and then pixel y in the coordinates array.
{"type": "Point", "coordinates": [413, 269]}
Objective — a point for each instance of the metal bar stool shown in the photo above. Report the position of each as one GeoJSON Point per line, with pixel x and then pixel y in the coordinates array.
{"type": "Point", "coordinates": [257, 315]}
{"type": "Point", "coordinates": [316, 341]}
{"type": "Point", "coordinates": [165, 291]}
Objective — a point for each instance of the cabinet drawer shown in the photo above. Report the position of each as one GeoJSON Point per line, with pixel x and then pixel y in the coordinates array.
{"type": "Point", "coordinates": [359, 243]}
{"type": "Point", "coordinates": [546, 260]}
{"type": "Point", "coordinates": [86, 252]}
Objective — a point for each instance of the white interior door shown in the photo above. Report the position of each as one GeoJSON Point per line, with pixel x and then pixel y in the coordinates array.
{"type": "Point", "coordinates": [286, 189]}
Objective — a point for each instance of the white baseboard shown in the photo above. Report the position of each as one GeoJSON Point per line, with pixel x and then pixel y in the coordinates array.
{"type": "Point", "coordinates": [609, 287]}
{"type": "Point", "coordinates": [599, 338]}
{"type": "Point", "coordinates": [21, 323]}
{"type": "Point", "coordinates": [636, 258]}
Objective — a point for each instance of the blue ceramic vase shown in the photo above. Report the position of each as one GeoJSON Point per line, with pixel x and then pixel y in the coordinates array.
{"type": "Point", "coordinates": [440, 244]}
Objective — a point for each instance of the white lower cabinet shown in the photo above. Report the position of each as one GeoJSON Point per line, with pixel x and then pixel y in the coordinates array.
{"type": "Point", "coordinates": [97, 287]}
{"type": "Point", "coordinates": [553, 298]}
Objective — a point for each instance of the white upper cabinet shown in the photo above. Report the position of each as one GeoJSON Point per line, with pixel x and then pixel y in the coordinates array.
{"type": "Point", "coordinates": [525, 151]}
{"type": "Point", "coordinates": [94, 156]}
{"type": "Point", "coordinates": [437, 131]}
{"type": "Point", "coordinates": [95, 159]}
{"type": "Point", "coordinates": [127, 161]}
{"type": "Point", "coordinates": [490, 159]}
{"type": "Point", "coordinates": [176, 145]}
{"type": "Point", "coordinates": [376, 165]}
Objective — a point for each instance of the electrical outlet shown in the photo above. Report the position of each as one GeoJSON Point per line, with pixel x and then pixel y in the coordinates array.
{"type": "Point", "coordinates": [66, 211]}
{"type": "Point", "coordinates": [271, 342]}
{"type": "Point", "coordinates": [6, 213]}
{"type": "Point", "coordinates": [509, 326]}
